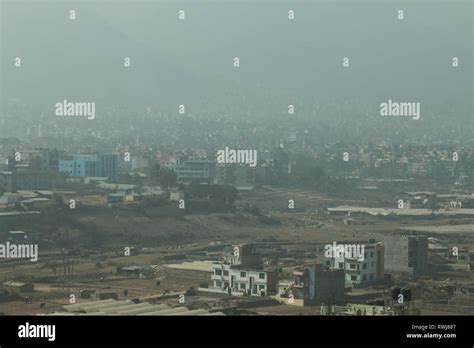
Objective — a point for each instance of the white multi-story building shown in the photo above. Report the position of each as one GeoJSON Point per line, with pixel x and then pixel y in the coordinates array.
{"type": "Point", "coordinates": [240, 273]}
{"type": "Point", "coordinates": [360, 269]}
{"type": "Point", "coordinates": [251, 282]}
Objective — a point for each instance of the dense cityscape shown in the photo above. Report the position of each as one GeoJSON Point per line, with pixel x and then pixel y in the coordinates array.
{"type": "Point", "coordinates": [185, 180]}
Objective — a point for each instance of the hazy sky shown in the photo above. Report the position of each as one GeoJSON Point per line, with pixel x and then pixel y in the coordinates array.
{"type": "Point", "coordinates": [174, 62]}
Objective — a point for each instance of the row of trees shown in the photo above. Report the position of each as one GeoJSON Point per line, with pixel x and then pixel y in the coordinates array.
{"type": "Point", "coordinates": [162, 176]}
{"type": "Point", "coordinates": [157, 176]}
{"type": "Point", "coordinates": [62, 267]}
{"type": "Point", "coordinates": [221, 194]}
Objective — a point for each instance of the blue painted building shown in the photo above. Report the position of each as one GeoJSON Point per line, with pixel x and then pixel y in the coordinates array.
{"type": "Point", "coordinates": [315, 285]}
{"type": "Point", "coordinates": [90, 165]}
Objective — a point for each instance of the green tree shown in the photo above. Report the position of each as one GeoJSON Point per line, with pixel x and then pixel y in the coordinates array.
{"type": "Point", "coordinates": [226, 194]}
{"type": "Point", "coordinates": [57, 203]}
{"type": "Point", "coordinates": [56, 214]}
{"type": "Point", "coordinates": [230, 194]}
{"type": "Point", "coordinates": [155, 173]}
{"type": "Point", "coordinates": [199, 190]}
{"type": "Point", "coordinates": [167, 178]}
{"type": "Point", "coordinates": [58, 179]}
{"type": "Point", "coordinates": [67, 238]}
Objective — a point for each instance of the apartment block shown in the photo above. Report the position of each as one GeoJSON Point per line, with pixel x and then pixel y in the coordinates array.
{"type": "Point", "coordinates": [406, 254]}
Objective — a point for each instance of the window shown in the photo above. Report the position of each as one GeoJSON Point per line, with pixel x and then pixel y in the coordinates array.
{"type": "Point", "coordinates": [261, 287]}
{"type": "Point", "coordinates": [341, 265]}
{"type": "Point", "coordinates": [261, 276]}
{"type": "Point", "coordinates": [226, 273]}
{"type": "Point", "coordinates": [354, 278]}
{"type": "Point", "coordinates": [218, 272]}
{"type": "Point", "coordinates": [243, 274]}
{"type": "Point", "coordinates": [364, 277]}
{"type": "Point", "coordinates": [352, 266]}
{"type": "Point", "coordinates": [364, 266]}
{"type": "Point", "coordinates": [242, 286]}
{"type": "Point", "coordinates": [372, 276]}
{"type": "Point", "coordinates": [372, 255]}
{"type": "Point", "coordinates": [218, 284]}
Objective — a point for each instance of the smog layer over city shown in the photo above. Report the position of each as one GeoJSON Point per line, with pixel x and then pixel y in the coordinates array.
{"type": "Point", "coordinates": [229, 158]}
